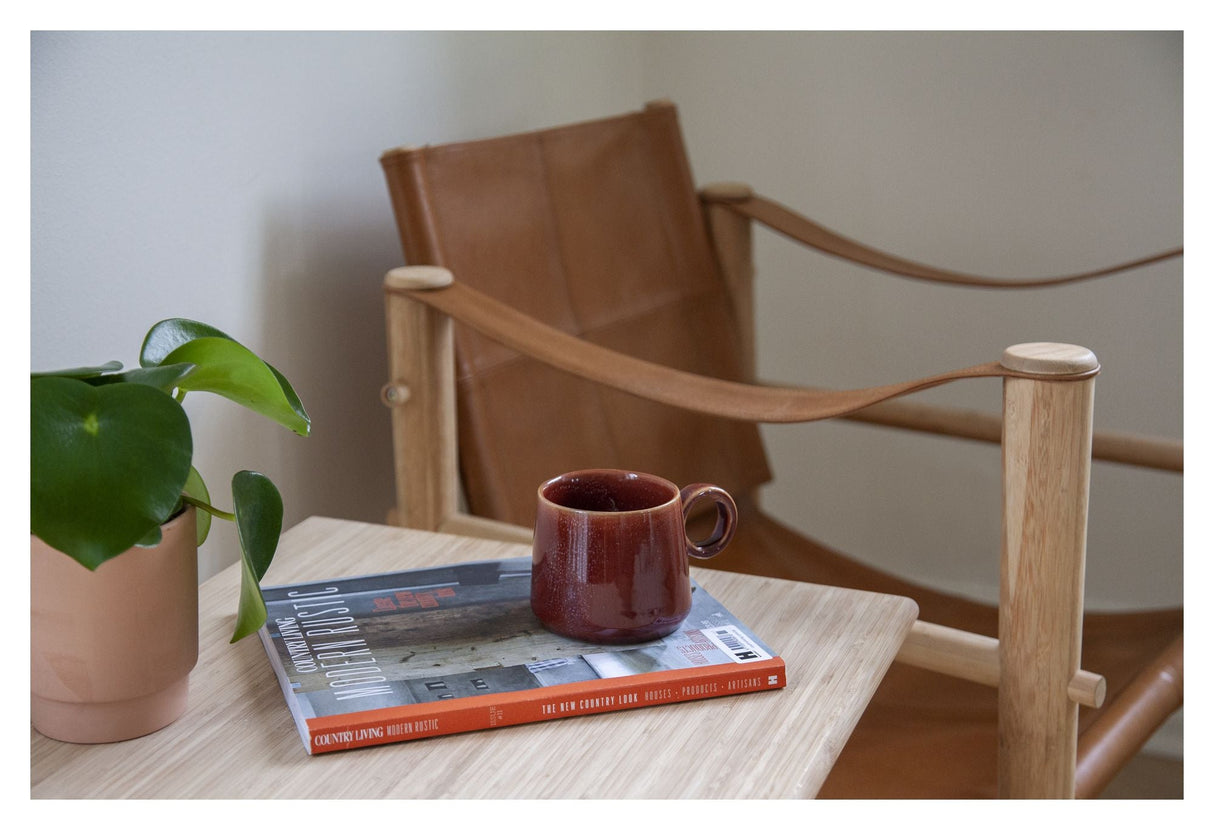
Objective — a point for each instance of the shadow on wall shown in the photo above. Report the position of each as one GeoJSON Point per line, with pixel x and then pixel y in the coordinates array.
{"type": "Point", "coordinates": [323, 267]}
{"type": "Point", "coordinates": [327, 243]}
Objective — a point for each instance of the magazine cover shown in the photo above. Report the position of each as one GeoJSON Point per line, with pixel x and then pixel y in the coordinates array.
{"type": "Point", "coordinates": [395, 657]}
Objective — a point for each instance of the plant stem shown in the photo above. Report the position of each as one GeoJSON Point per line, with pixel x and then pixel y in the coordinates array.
{"type": "Point", "coordinates": [214, 511]}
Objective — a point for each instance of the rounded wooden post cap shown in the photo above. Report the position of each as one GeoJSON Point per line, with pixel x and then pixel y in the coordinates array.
{"type": "Point", "coordinates": [1049, 359]}
{"type": "Point", "coordinates": [415, 277]}
{"type": "Point", "coordinates": [727, 191]}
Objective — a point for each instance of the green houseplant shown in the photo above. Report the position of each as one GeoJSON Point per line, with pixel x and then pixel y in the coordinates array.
{"type": "Point", "coordinates": [111, 466]}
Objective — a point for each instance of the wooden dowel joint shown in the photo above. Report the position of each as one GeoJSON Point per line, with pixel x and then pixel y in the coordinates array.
{"type": "Point", "coordinates": [394, 394]}
{"type": "Point", "coordinates": [975, 657]}
{"type": "Point", "coordinates": [1087, 689]}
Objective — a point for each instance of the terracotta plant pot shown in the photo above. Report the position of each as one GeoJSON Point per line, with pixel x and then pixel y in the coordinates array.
{"type": "Point", "coordinates": [111, 650]}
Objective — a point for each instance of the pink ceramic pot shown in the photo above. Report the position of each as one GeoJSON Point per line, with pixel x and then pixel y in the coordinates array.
{"type": "Point", "coordinates": [111, 650]}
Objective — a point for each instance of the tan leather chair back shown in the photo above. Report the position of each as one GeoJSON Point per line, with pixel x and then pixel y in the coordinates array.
{"type": "Point", "coordinates": [595, 228]}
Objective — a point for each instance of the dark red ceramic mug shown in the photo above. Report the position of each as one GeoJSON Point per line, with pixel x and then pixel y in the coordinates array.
{"type": "Point", "coordinates": [609, 560]}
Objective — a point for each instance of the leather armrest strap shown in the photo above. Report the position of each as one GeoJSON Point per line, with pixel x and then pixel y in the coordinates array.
{"type": "Point", "coordinates": [698, 393]}
{"type": "Point", "coordinates": [798, 227]}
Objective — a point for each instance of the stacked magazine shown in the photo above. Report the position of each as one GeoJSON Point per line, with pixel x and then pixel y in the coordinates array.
{"type": "Point", "coordinates": [415, 654]}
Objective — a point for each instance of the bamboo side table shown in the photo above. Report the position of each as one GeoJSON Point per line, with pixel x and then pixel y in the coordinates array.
{"type": "Point", "coordinates": [237, 739]}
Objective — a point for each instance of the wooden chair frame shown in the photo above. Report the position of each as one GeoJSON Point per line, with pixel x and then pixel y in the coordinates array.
{"type": "Point", "coordinates": [1047, 447]}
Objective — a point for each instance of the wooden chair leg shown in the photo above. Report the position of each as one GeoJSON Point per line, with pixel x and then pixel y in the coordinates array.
{"type": "Point", "coordinates": [421, 394]}
{"type": "Point", "coordinates": [1047, 436]}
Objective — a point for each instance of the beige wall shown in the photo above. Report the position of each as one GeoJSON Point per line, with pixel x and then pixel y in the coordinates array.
{"type": "Point", "coordinates": [233, 178]}
{"type": "Point", "coordinates": [999, 153]}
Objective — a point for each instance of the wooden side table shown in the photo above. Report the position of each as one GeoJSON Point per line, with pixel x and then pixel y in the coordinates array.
{"type": "Point", "coordinates": [237, 739]}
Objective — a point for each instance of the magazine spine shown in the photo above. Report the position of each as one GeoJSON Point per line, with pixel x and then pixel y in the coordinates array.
{"type": "Point", "coordinates": [405, 723]}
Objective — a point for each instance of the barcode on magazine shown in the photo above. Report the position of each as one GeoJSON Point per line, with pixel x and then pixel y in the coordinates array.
{"type": "Point", "coordinates": [739, 647]}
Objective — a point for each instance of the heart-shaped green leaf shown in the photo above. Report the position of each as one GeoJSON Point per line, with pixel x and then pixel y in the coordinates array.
{"type": "Point", "coordinates": [292, 399]}
{"type": "Point", "coordinates": [225, 367]}
{"type": "Point", "coordinates": [167, 335]}
{"type": "Point", "coordinates": [258, 508]}
{"type": "Point", "coordinates": [150, 539]}
{"type": "Point", "coordinates": [165, 378]}
{"type": "Point", "coordinates": [196, 488]}
{"type": "Point", "coordinates": [251, 610]}
{"type": "Point", "coordinates": [81, 372]}
{"type": "Point", "coordinates": [107, 464]}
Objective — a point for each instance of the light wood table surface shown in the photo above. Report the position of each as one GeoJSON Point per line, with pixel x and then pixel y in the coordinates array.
{"type": "Point", "coordinates": [237, 738]}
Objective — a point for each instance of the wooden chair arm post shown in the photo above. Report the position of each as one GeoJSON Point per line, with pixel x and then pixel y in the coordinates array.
{"type": "Point", "coordinates": [421, 394]}
{"type": "Point", "coordinates": [1047, 438]}
{"type": "Point", "coordinates": [732, 239]}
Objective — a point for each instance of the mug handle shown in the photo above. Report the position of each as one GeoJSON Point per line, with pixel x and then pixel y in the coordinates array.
{"type": "Point", "coordinates": [727, 518]}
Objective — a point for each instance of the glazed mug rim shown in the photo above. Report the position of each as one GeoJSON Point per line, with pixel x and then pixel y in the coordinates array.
{"type": "Point", "coordinates": [676, 496]}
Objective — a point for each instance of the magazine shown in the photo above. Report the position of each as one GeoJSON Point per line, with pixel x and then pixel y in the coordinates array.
{"type": "Point", "coordinates": [395, 657]}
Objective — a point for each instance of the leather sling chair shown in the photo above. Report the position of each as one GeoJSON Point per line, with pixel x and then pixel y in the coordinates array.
{"type": "Point", "coordinates": [552, 317]}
